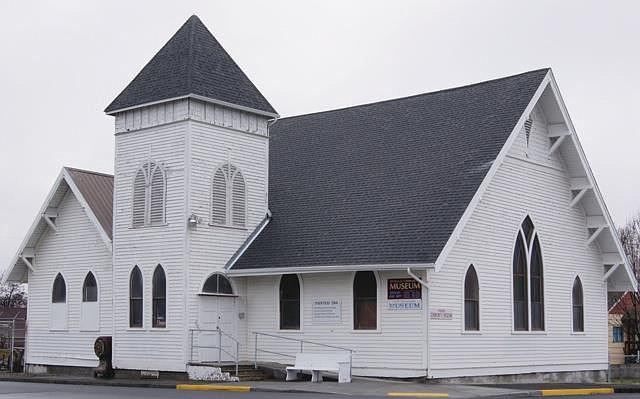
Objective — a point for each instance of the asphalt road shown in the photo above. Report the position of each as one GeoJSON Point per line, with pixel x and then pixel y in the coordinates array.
{"type": "Point", "coordinates": [23, 390]}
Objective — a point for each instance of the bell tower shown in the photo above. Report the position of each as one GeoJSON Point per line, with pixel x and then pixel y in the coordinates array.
{"type": "Point", "coordinates": [191, 178]}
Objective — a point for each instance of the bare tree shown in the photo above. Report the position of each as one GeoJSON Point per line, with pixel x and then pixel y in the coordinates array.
{"type": "Point", "coordinates": [12, 295]}
{"type": "Point", "coordinates": [629, 235]}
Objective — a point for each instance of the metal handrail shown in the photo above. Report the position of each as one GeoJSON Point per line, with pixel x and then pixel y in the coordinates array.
{"type": "Point", "coordinates": [220, 348]}
{"type": "Point", "coordinates": [301, 341]}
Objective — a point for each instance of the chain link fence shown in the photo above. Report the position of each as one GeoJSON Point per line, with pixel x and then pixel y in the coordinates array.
{"type": "Point", "coordinates": [12, 343]}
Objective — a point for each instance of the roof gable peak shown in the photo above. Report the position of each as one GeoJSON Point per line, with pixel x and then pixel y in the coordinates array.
{"type": "Point", "coordinates": [192, 62]}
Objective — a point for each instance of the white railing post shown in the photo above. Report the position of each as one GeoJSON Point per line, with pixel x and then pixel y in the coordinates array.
{"type": "Point", "coordinates": [255, 352]}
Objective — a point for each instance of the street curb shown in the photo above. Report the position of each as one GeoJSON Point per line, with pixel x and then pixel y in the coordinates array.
{"type": "Point", "coordinates": [577, 391]}
{"type": "Point", "coordinates": [208, 387]}
{"type": "Point", "coordinates": [418, 394]}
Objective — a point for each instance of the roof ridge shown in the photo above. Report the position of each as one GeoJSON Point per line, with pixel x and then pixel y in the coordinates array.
{"type": "Point", "coordinates": [416, 95]}
{"type": "Point", "coordinates": [88, 171]}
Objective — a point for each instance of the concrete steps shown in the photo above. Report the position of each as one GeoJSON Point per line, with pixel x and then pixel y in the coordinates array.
{"type": "Point", "coordinates": [248, 373]}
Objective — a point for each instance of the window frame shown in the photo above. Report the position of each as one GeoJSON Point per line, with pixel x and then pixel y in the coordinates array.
{"type": "Point", "coordinates": [300, 303]}
{"type": "Point", "coordinates": [53, 287]}
{"type": "Point", "coordinates": [613, 334]}
{"type": "Point", "coordinates": [354, 330]}
{"type": "Point", "coordinates": [231, 283]}
{"type": "Point", "coordinates": [160, 268]}
{"type": "Point", "coordinates": [97, 288]}
{"type": "Point", "coordinates": [464, 300]}
{"type": "Point", "coordinates": [149, 166]}
{"type": "Point", "coordinates": [528, 251]}
{"type": "Point", "coordinates": [577, 278]}
{"type": "Point", "coordinates": [229, 177]}
{"type": "Point", "coordinates": [142, 323]}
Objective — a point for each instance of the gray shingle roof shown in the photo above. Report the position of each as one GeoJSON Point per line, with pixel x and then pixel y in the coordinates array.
{"type": "Point", "coordinates": [191, 62]}
{"type": "Point", "coordinates": [97, 190]}
{"type": "Point", "coordinates": [383, 183]}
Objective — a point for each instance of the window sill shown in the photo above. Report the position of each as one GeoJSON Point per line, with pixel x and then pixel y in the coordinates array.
{"type": "Point", "coordinates": [226, 226]}
{"type": "Point", "coordinates": [148, 226]}
{"type": "Point", "coordinates": [528, 333]}
{"type": "Point", "coordinates": [366, 332]}
{"type": "Point", "coordinates": [136, 329]}
{"type": "Point", "coordinates": [578, 333]}
{"type": "Point", "coordinates": [215, 294]}
{"type": "Point", "coordinates": [471, 332]}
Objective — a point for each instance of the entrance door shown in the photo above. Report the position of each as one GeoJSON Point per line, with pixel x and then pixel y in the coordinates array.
{"type": "Point", "coordinates": [218, 324]}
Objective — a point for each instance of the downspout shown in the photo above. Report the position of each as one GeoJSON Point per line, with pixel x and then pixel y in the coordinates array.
{"type": "Point", "coordinates": [426, 285]}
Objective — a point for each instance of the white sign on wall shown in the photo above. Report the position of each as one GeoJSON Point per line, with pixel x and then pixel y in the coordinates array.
{"type": "Point", "coordinates": [405, 304]}
{"type": "Point", "coordinates": [441, 314]}
{"type": "Point", "coordinates": [326, 310]}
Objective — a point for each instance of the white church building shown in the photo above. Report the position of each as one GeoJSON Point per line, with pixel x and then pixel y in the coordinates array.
{"type": "Point", "coordinates": [457, 233]}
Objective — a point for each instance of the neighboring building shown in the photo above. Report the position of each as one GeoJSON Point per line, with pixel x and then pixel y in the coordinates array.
{"type": "Point", "coordinates": [617, 336]}
{"type": "Point", "coordinates": [225, 217]}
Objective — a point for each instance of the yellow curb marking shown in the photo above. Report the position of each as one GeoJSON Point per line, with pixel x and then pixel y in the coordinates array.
{"type": "Point", "coordinates": [576, 391]}
{"type": "Point", "coordinates": [418, 394]}
{"type": "Point", "coordinates": [205, 387]}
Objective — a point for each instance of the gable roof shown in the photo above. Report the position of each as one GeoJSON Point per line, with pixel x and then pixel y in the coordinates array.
{"type": "Point", "coordinates": [97, 190]}
{"type": "Point", "coordinates": [624, 303]}
{"type": "Point", "coordinates": [93, 190]}
{"type": "Point", "coordinates": [192, 62]}
{"type": "Point", "coordinates": [383, 183]}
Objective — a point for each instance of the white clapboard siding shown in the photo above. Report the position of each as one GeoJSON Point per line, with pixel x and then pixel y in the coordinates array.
{"type": "Point", "coordinates": [74, 250]}
{"type": "Point", "coordinates": [148, 246]}
{"type": "Point", "coordinates": [210, 246]}
{"type": "Point", "coordinates": [396, 349]}
{"type": "Point", "coordinates": [524, 184]}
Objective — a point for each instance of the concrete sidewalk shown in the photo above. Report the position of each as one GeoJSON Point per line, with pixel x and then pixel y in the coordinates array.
{"type": "Point", "coordinates": [359, 387]}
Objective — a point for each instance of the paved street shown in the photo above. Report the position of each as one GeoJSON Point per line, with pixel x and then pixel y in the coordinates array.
{"type": "Point", "coordinates": [24, 390]}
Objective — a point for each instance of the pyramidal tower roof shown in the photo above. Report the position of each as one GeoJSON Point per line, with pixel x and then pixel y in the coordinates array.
{"type": "Point", "coordinates": [192, 62]}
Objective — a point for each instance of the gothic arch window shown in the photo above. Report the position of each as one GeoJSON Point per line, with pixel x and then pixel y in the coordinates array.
{"type": "Point", "coordinates": [90, 288]}
{"type": "Point", "coordinates": [59, 291]}
{"type": "Point", "coordinates": [528, 280]}
{"type": "Point", "coordinates": [577, 301]}
{"type": "Point", "coordinates": [289, 302]}
{"type": "Point", "coordinates": [365, 301]}
{"type": "Point", "coordinates": [136, 293]}
{"type": "Point", "coordinates": [471, 300]}
{"type": "Point", "coordinates": [149, 195]}
{"type": "Point", "coordinates": [159, 298]}
{"type": "Point", "coordinates": [217, 284]}
{"type": "Point", "coordinates": [228, 197]}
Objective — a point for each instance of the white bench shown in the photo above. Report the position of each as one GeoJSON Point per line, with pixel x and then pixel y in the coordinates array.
{"type": "Point", "coordinates": [316, 363]}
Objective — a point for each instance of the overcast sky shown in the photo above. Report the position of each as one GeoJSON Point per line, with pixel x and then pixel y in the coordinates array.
{"type": "Point", "coordinates": [63, 61]}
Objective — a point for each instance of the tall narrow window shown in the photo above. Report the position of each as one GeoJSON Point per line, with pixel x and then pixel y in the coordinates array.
{"type": "Point", "coordinates": [289, 302]}
{"type": "Point", "coordinates": [149, 192]}
{"type": "Point", "coordinates": [59, 292]}
{"type": "Point", "coordinates": [365, 301]}
{"type": "Point", "coordinates": [528, 282]}
{"type": "Point", "coordinates": [159, 301]}
{"type": "Point", "coordinates": [578, 306]}
{"type": "Point", "coordinates": [228, 197]}
{"type": "Point", "coordinates": [471, 301]}
{"type": "Point", "coordinates": [217, 284]}
{"type": "Point", "coordinates": [135, 298]}
{"type": "Point", "coordinates": [90, 289]}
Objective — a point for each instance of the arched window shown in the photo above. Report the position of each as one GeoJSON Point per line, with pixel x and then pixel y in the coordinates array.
{"type": "Point", "coordinates": [289, 302]}
{"type": "Point", "coordinates": [578, 306]}
{"type": "Point", "coordinates": [528, 282]}
{"type": "Point", "coordinates": [149, 192]}
{"type": "Point", "coordinates": [471, 300]}
{"type": "Point", "coordinates": [228, 197]}
{"type": "Point", "coordinates": [135, 298]}
{"type": "Point", "coordinates": [90, 289]}
{"type": "Point", "coordinates": [59, 292]}
{"type": "Point", "coordinates": [159, 300]}
{"type": "Point", "coordinates": [365, 301]}
{"type": "Point", "coordinates": [217, 284]}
